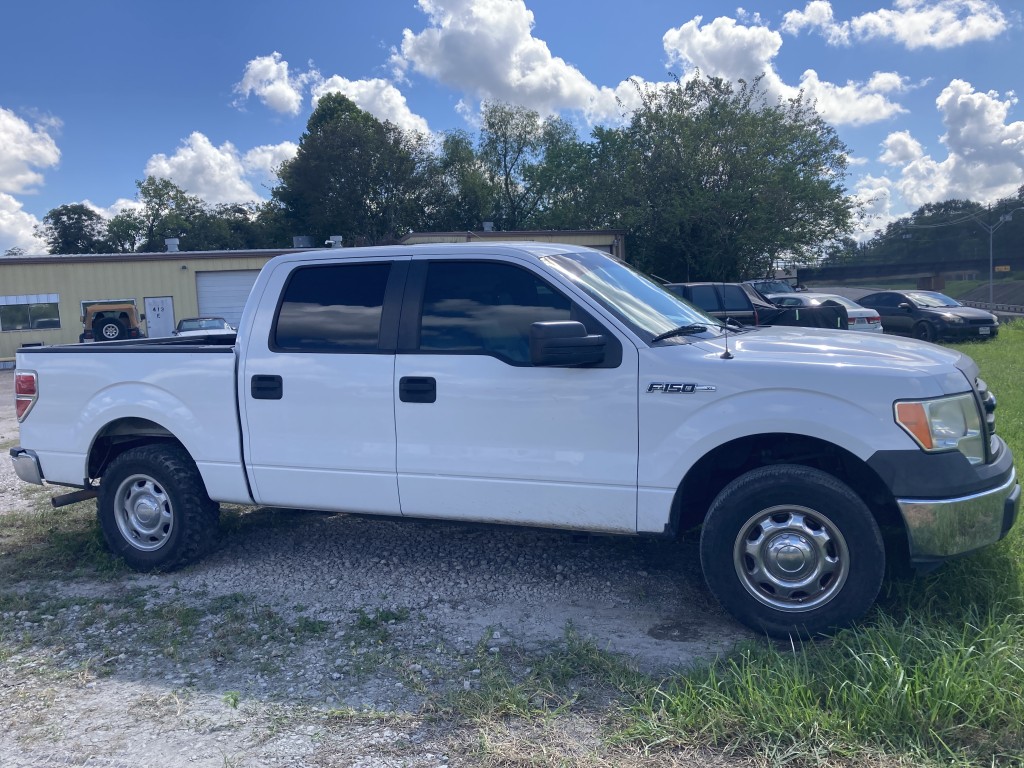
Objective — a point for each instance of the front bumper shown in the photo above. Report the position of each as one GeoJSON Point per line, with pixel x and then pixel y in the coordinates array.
{"type": "Point", "coordinates": [966, 331]}
{"type": "Point", "coordinates": [26, 465]}
{"type": "Point", "coordinates": [940, 528]}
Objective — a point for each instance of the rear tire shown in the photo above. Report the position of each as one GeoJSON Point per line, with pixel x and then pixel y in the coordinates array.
{"type": "Point", "coordinates": [790, 550]}
{"type": "Point", "coordinates": [154, 510]}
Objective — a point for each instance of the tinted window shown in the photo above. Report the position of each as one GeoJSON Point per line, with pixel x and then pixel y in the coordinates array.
{"type": "Point", "coordinates": [705, 297]}
{"type": "Point", "coordinates": [334, 308]}
{"type": "Point", "coordinates": [881, 300]}
{"type": "Point", "coordinates": [486, 308]}
{"type": "Point", "coordinates": [734, 299]}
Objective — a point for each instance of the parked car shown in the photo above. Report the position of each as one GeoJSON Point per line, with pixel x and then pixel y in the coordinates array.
{"type": "Point", "coordinates": [109, 321]}
{"type": "Point", "coordinates": [930, 316]}
{"type": "Point", "coordinates": [203, 326]}
{"type": "Point", "coordinates": [742, 303]}
{"type": "Point", "coordinates": [859, 318]}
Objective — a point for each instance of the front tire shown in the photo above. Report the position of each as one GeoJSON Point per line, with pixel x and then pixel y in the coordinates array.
{"type": "Point", "coordinates": [924, 331]}
{"type": "Point", "coordinates": [790, 550]}
{"type": "Point", "coordinates": [154, 510]}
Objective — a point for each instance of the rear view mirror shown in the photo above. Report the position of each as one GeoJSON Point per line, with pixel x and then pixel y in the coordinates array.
{"type": "Point", "coordinates": [565, 344]}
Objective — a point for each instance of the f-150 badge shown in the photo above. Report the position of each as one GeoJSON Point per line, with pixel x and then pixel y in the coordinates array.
{"type": "Point", "coordinates": [676, 388]}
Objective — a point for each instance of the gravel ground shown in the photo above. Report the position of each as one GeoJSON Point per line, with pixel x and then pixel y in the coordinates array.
{"type": "Point", "coordinates": [327, 639]}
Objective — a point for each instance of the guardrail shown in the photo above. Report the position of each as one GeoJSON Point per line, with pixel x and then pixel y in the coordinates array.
{"type": "Point", "coordinates": [1016, 309]}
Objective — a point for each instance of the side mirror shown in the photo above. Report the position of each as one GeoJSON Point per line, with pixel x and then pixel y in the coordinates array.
{"type": "Point", "coordinates": [564, 344]}
{"type": "Point", "coordinates": [904, 305]}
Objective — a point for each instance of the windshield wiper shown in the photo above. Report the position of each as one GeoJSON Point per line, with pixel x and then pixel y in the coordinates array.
{"type": "Point", "coordinates": [682, 330]}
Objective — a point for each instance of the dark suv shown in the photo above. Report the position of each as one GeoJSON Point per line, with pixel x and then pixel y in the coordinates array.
{"type": "Point", "coordinates": [733, 301]}
{"type": "Point", "coordinates": [742, 303]}
{"type": "Point", "coordinates": [929, 315]}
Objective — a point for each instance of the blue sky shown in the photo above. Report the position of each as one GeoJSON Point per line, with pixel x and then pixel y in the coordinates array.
{"type": "Point", "coordinates": [214, 95]}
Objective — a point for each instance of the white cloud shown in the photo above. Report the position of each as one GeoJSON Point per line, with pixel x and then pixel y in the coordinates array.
{"type": "Point", "coordinates": [873, 196]}
{"type": "Point", "coordinates": [24, 148]}
{"type": "Point", "coordinates": [914, 24]}
{"type": "Point", "coordinates": [900, 149]}
{"type": "Point", "coordinates": [985, 153]}
{"type": "Point", "coordinates": [724, 48]}
{"type": "Point", "coordinates": [268, 78]}
{"type": "Point", "coordinates": [217, 174]}
{"type": "Point", "coordinates": [17, 227]}
{"type": "Point", "coordinates": [262, 162]}
{"type": "Point", "coordinates": [378, 97]}
{"type": "Point", "coordinates": [486, 50]}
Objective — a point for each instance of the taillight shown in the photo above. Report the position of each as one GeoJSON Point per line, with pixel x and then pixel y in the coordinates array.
{"type": "Point", "coordinates": [26, 392]}
{"type": "Point", "coordinates": [851, 320]}
{"type": "Point", "coordinates": [875, 319]}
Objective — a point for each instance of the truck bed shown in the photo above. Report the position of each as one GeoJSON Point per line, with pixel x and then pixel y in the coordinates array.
{"type": "Point", "coordinates": [84, 390]}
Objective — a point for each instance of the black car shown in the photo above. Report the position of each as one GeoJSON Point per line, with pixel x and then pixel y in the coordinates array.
{"type": "Point", "coordinates": [930, 316]}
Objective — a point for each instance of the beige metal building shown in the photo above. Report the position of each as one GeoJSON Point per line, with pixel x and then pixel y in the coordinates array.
{"type": "Point", "coordinates": [42, 297]}
{"type": "Point", "coordinates": [611, 241]}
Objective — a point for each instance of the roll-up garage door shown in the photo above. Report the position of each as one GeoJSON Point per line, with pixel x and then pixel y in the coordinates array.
{"type": "Point", "coordinates": [223, 294]}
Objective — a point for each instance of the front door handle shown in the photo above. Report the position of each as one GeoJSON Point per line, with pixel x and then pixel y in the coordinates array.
{"type": "Point", "coordinates": [265, 387]}
{"type": "Point", "coordinates": [417, 389]}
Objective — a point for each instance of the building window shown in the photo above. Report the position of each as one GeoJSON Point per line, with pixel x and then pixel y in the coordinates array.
{"type": "Point", "coordinates": [29, 313]}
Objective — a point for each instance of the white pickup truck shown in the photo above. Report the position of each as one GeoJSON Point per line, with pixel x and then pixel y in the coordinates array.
{"type": "Point", "coordinates": [539, 385]}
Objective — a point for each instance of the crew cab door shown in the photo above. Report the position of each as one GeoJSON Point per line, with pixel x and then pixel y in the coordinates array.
{"type": "Point", "coordinates": [485, 435]}
{"type": "Point", "coordinates": [316, 387]}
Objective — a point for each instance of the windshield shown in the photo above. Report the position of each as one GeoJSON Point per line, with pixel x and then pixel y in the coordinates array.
{"type": "Point", "coordinates": [630, 295]}
{"type": "Point", "coordinates": [772, 286]}
{"type": "Point", "coordinates": [930, 299]}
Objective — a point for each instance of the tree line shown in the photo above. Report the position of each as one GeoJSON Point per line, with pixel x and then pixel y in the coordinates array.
{"type": "Point", "coordinates": [952, 231]}
{"type": "Point", "coordinates": [710, 180]}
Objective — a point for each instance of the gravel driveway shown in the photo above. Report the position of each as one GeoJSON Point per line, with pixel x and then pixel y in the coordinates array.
{"type": "Point", "coordinates": [316, 639]}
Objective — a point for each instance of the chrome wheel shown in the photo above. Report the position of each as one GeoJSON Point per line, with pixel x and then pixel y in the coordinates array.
{"type": "Point", "coordinates": [143, 512]}
{"type": "Point", "coordinates": [791, 558]}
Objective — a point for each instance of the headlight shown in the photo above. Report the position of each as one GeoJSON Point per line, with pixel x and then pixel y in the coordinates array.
{"type": "Point", "coordinates": [945, 424]}
{"type": "Point", "coordinates": [955, 319]}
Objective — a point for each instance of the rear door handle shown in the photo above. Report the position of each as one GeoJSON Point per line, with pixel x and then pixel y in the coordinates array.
{"type": "Point", "coordinates": [265, 387]}
{"type": "Point", "coordinates": [417, 389]}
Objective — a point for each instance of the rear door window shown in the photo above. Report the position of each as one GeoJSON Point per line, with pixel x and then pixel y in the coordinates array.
{"type": "Point", "coordinates": [705, 297]}
{"type": "Point", "coordinates": [734, 299]}
{"type": "Point", "coordinates": [332, 308]}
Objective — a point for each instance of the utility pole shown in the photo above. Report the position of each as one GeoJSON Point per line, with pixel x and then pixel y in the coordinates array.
{"type": "Point", "coordinates": [991, 229]}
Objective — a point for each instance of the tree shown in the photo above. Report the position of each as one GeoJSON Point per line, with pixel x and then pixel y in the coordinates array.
{"type": "Point", "coordinates": [727, 182]}
{"type": "Point", "coordinates": [511, 143]}
{"type": "Point", "coordinates": [74, 228]}
{"type": "Point", "coordinates": [459, 194]}
{"type": "Point", "coordinates": [15, 251]}
{"type": "Point", "coordinates": [354, 175]}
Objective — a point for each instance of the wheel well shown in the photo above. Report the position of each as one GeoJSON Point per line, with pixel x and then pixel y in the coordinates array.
{"type": "Point", "coordinates": [719, 467]}
{"type": "Point", "coordinates": [118, 436]}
